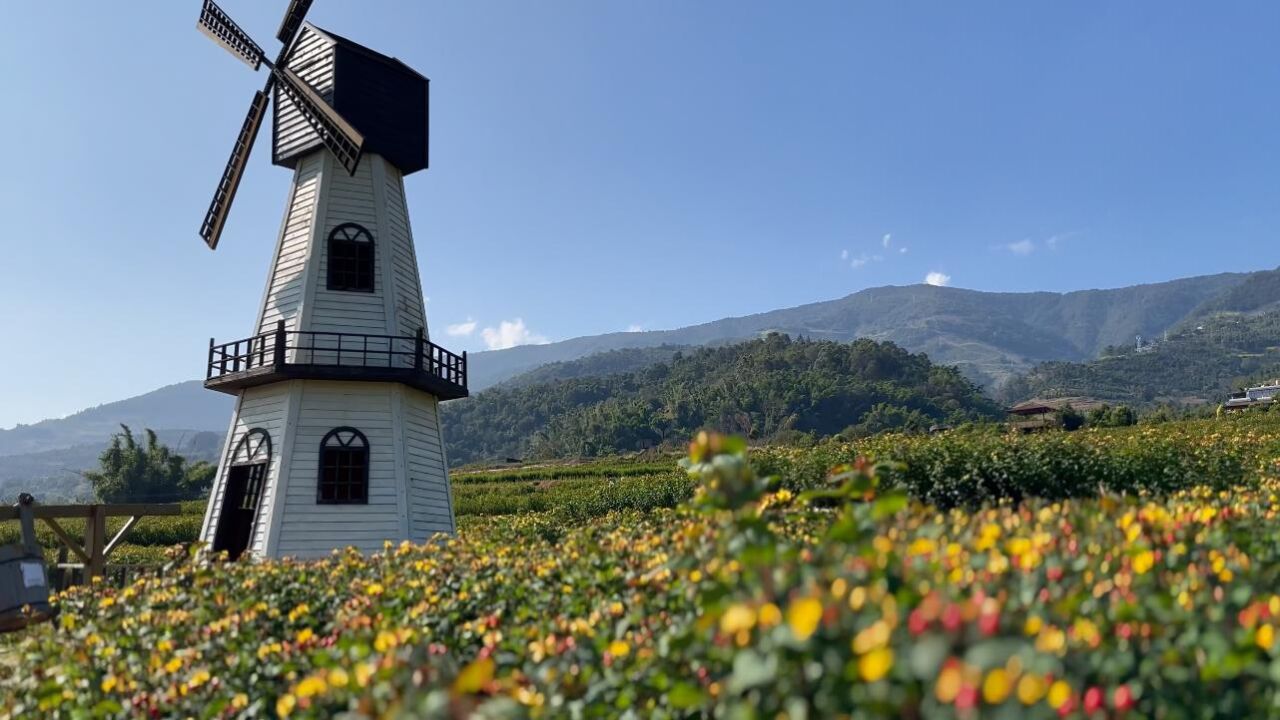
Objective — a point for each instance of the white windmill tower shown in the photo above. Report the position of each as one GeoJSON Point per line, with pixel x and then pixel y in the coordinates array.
{"type": "Point", "coordinates": [335, 439]}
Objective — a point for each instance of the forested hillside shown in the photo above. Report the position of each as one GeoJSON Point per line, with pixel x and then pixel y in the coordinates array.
{"type": "Point", "coordinates": [1201, 363]}
{"type": "Point", "coordinates": [763, 389]}
{"type": "Point", "coordinates": [990, 336]}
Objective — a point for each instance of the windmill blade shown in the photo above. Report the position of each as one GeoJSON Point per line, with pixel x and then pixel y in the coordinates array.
{"type": "Point", "coordinates": [337, 134]}
{"type": "Point", "coordinates": [216, 217]}
{"type": "Point", "coordinates": [292, 21]}
{"type": "Point", "coordinates": [219, 26]}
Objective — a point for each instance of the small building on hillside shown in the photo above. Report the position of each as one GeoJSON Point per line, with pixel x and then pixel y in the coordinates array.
{"type": "Point", "coordinates": [1038, 413]}
{"type": "Point", "coordinates": [1261, 395]}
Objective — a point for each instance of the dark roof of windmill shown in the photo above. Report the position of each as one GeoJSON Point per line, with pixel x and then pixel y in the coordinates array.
{"type": "Point", "coordinates": [368, 52]}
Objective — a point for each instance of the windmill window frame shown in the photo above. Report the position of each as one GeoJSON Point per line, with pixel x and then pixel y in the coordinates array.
{"type": "Point", "coordinates": [343, 477]}
{"type": "Point", "coordinates": [351, 259]}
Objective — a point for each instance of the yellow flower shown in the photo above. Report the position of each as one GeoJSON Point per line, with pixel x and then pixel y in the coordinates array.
{"type": "Point", "coordinates": [109, 683]}
{"type": "Point", "coordinates": [1143, 562]}
{"type": "Point", "coordinates": [874, 636]}
{"type": "Point", "coordinates": [285, 705]}
{"type": "Point", "coordinates": [374, 589]}
{"type": "Point", "coordinates": [996, 686]}
{"type": "Point", "coordinates": [950, 680]}
{"type": "Point", "coordinates": [313, 685]}
{"type": "Point", "coordinates": [1059, 694]}
{"type": "Point", "coordinates": [619, 648]}
{"type": "Point", "coordinates": [304, 635]}
{"type": "Point", "coordinates": [737, 618]}
{"type": "Point", "coordinates": [1051, 640]}
{"type": "Point", "coordinates": [338, 678]}
{"type": "Point", "coordinates": [173, 665]}
{"type": "Point", "coordinates": [1265, 637]}
{"type": "Point", "coordinates": [803, 616]}
{"type": "Point", "coordinates": [1033, 625]}
{"type": "Point", "coordinates": [1031, 688]}
{"type": "Point", "coordinates": [240, 701]}
{"type": "Point", "coordinates": [770, 615]}
{"type": "Point", "coordinates": [473, 677]}
{"type": "Point", "coordinates": [384, 641]}
{"type": "Point", "coordinates": [875, 664]}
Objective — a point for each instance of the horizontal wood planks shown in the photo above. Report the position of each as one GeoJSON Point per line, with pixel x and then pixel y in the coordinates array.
{"type": "Point", "coordinates": [312, 60]}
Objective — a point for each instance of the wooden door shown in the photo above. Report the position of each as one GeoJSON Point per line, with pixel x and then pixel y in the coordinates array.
{"type": "Point", "coordinates": [239, 508]}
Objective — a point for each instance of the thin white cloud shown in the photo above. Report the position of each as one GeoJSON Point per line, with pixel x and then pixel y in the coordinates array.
{"type": "Point", "coordinates": [859, 262]}
{"type": "Point", "coordinates": [902, 251]}
{"type": "Point", "coordinates": [844, 254]}
{"type": "Point", "coordinates": [509, 334]}
{"type": "Point", "coordinates": [1022, 247]}
{"type": "Point", "coordinates": [939, 279]}
{"type": "Point", "coordinates": [887, 240]}
{"type": "Point", "coordinates": [1053, 240]}
{"type": "Point", "coordinates": [462, 329]}
{"type": "Point", "coordinates": [635, 327]}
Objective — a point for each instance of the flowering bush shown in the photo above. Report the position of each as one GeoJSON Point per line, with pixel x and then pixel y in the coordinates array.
{"type": "Point", "coordinates": [751, 601]}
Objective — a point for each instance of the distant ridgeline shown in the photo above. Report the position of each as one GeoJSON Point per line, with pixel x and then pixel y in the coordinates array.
{"type": "Point", "coordinates": [765, 389]}
{"type": "Point", "coordinates": [1202, 361]}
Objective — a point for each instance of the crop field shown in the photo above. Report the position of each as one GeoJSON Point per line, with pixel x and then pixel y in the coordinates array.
{"type": "Point", "coordinates": [1131, 572]}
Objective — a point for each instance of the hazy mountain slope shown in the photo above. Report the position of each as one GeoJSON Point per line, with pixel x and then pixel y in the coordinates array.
{"type": "Point", "coordinates": [184, 406]}
{"type": "Point", "coordinates": [990, 336]}
{"type": "Point", "coordinates": [610, 362]}
{"type": "Point", "coordinates": [1200, 363]}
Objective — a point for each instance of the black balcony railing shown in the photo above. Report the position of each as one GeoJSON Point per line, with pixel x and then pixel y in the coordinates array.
{"type": "Point", "coordinates": [286, 354]}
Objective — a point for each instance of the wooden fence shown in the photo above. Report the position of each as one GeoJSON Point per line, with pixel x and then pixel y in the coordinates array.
{"type": "Point", "coordinates": [93, 551]}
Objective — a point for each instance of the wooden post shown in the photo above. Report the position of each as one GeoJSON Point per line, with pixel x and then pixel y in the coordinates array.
{"type": "Point", "coordinates": [278, 359]}
{"type": "Point", "coordinates": [208, 372]}
{"type": "Point", "coordinates": [419, 341]}
{"type": "Point", "coordinates": [95, 542]}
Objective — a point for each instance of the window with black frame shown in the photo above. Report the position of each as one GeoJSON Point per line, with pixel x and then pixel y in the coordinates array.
{"type": "Point", "coordinates": [344, 468]}
{"type": "Point", "coordinates": [351, 258]}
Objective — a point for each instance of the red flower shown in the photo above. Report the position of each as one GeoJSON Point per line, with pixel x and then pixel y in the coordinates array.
{"type": "Point", "coordinates": [1122, 699]}
{"type": "Point", "coordinates": [1094, 700]}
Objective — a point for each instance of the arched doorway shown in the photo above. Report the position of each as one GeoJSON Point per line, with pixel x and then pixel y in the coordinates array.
{"type": "Point", "coordinates": [246, 477]}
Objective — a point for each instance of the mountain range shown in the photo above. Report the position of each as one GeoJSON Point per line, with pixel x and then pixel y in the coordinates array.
{"type": "Point", "coordinates": [990, 337]}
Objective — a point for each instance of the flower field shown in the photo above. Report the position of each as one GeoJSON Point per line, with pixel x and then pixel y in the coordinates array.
{"type": "Point", "coordinates": [1137, 575]}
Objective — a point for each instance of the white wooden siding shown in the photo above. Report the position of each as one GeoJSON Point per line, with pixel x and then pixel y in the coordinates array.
{"type": "Point", "coordinates": [430, 502]}
{"type": "Point", "coordinates": [309, 529]}
{"type": "Point", "coordinates": [286, 286]}
{"type": "Point", "coordinates": [408, 288]}
{"type": "Point", "coordinates": [262, 407]}
{"type": "Point", "coordinates": [349, 199]}
{"type": "Point", "coordinates": [312, 60]}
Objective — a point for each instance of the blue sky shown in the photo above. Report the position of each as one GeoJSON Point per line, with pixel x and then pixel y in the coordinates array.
{"type": "Point", "coordinates": [599, 166]}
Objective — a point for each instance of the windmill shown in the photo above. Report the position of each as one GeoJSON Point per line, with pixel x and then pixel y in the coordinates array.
{"type": "Point", "coordinates": [343, 140]}
{"type": "Point", "coordinates": [335, 439]}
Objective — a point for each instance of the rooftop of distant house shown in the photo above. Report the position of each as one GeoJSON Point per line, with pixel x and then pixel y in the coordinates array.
{"type": "Point", "coordinates": [1044, 406]}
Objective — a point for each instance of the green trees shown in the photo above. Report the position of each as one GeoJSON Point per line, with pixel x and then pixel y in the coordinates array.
{"type": "Point", "coordinates": [766, 389]}
{"type": "Point", "coordinates": [129, 472]}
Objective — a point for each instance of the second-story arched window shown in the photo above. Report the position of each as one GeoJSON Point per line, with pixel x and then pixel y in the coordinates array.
{"type": "Point", "coordinates": [350, 258]}
{"type": "Point", "coordinates": [344, 467]}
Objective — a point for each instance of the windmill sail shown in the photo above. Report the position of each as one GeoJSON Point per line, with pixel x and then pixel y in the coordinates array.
{"type": "Point", "coordinates": [219, 26]}
{"type": "Point", "coordinates": [216, 217]}
{"type": "Point", "coordinates": [336, 133]}
{"type": "Point", "coordinates": [291, 22]}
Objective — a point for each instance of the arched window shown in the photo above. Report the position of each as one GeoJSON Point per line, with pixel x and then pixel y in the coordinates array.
{"type": "Point", "coordinates": [253, 448]}
{"type": "Point", "coordinates": [344, 467]}
{"type": "Point", "coordinates": [350, 258]}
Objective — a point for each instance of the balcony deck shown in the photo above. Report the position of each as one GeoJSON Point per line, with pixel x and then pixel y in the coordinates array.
{"type": "Point", "coordinates": [288, 355]}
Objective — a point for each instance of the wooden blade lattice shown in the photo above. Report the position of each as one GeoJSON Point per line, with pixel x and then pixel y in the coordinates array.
{"type": "Point", "coordinates": [292, 21]}
{"type": "Point", "coordinates": [219, 26]}
{"type": "Point", "coordinates": [343, 140]}
{"type": "Point", "coordinates": [216, 217]}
